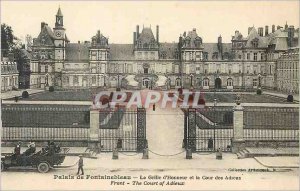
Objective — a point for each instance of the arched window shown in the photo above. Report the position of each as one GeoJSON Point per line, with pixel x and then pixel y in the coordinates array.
{"type": "Point", "coordinates": [205, 82]}
{"type": "Point", "coordinates": [229, 82]}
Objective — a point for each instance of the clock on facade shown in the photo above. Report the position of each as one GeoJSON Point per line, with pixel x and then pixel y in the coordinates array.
{"type": "Point", "coordinates": [58, 34]}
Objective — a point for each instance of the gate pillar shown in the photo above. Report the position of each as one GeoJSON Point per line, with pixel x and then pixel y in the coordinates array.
{"type": "Point", "coordinates": [141, 129]}
{"type": "Point", "coordinates": [191, 134]}
{"type": "Point", "coordinates": [94, 130]}
{"type": "Point", "coordinates": [238, 141]}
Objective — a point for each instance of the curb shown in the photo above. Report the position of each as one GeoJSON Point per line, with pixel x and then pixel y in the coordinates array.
{"type": "Point", "coordinates": [269, 166]}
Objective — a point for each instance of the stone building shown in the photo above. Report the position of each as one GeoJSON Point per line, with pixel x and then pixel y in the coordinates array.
{"type": "Point", "coordinates": [245, 63]}
{"type": "Point", "coordinates": [287, 72]}
{"type": "Point", "coordinates": [9, 74]}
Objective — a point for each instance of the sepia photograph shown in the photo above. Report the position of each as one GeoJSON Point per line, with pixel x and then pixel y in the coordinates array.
{"type": "Point", "coordinates": [149, 95]}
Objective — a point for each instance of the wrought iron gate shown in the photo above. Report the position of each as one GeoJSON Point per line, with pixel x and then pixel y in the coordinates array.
{"type": "Point", "coordinates": [123, 129]}
{"type": "Point", "coordinates": [208, 129]}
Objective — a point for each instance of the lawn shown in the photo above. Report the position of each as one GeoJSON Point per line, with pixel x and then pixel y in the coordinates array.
{"type": "Point", "coordinates": [87, 95]}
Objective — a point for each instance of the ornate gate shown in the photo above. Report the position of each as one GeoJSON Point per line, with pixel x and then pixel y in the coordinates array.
{"type": "Point", "coordinates": [123, 129]}
{"type": "Point", "coordinates": [208, 129]}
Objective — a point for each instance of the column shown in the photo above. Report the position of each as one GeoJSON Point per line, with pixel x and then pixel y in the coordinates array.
{"type": "Point", "coordinates": [238, 141]}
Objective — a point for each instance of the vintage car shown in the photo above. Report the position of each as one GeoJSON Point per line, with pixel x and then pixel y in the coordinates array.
{"type": "Point", "coordinates": [43, 160]}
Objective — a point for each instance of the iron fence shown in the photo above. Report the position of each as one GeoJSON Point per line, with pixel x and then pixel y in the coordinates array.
{"type": "Point", "coordinates": [266, 124]}
{"type": "Point", "coordinates": [45, 122]}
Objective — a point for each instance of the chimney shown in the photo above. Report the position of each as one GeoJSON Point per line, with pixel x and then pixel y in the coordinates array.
{"type": "Point", "coordinates": [157, 33]}
{"type": "Point", "coordinates": [278, 27]}
{"type": "Point", "coordinates": [220, 39]}
{"type": "Point", "coordinates": [134, 38]}
{"type": "Point", "coordinates": [249, 29]}
{"type": "Point", "coordinates": [137, 31]}
{"type": "Point", "coordinates": [220, 48]}
{"type": "Point", "coordinates": [266, 30]}
{"type": "Point", "coordinates": [42, 25]}
{"type": "Point", "coordinates": [79, 42]}
{"type": "Point", "coordinates": [260, 31]}
{"type": "Point", "coordinates": [194, 29]}
{"type": "Point", "coordinates": [286, 26]}
{"type": "Point", "coordinates": [291, 32]}
{"type": "Point", "coordinates": [273, 28]}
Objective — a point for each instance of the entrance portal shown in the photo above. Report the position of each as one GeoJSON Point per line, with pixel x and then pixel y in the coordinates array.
{"type": "Point", "coordinates": [218, 83]}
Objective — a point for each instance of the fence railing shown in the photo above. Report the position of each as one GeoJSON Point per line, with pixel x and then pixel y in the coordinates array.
{"type": "Point", "coordinates": [270, 124]}
{"type": "Point", "coordinates": [44, 122]}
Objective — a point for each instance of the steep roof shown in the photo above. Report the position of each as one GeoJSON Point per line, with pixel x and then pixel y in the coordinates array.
{"type": "Point", "coordinates": [46, 37]}
{"type": "Point", "coordinates": [169, 49]}
{"type": "Point", "coordinates": [59, 12]}
{"type": "Point", "coordinates": [192, 36]}
{"type": "Point", "coordinates": [77, 52]}
{"type": "Point", "coordinates": [146, 36]}
{"type": "Point", "coordinates": [253, 35]}
{"type": "Point", "coordinates": [121, 52]}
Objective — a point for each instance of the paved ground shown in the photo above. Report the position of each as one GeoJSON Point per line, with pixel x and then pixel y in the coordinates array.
{"type": "Point", "coordinates": [279, 162]}
{"type": "Point", "coordinates": [250, 174]}
{"type": "Point", "coordinates": [165, 130]}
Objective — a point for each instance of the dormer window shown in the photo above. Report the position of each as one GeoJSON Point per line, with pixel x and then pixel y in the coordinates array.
{"type": "Point", "coordinates": [255, 43]}
{"type": "Point", "coordinates": [215, 56]}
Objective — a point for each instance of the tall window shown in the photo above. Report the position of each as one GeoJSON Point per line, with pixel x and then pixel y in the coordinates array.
{"type": "Point", "coordinates": [75, 80]}
{"type": "Point", "coordinates": [262, 56]}
{"type": "Point", "coordinates": [229, 82]}
{"type": "Point", "coordinates": [94, 80]}
{"type": "Point", "coordinates": [248, 56]}
{"type": "Point", "coordinates": [254, 82]}
{"type": "Point", "coordinates": [255, 56]}
{"type": "Point", "coordinates": [205, 82]}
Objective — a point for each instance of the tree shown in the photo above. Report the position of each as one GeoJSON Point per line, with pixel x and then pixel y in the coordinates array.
{"type": "Point", "coordinates": [8, 41]}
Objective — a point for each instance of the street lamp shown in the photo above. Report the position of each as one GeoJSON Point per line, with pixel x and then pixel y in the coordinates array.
{"type": "Point", "coordinates": [215, 123]}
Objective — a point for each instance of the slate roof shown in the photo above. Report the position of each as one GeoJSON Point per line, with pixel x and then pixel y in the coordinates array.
{"type": "Point", "coordinates": [59, 13]}
{"type": "Point", "coordinates": [146, 36]}
{"type": "Point", "coordinates": [210, 48]}
{"type": "Point", "coordinates": [253, 34]}
{"type": "Point", "coordinates": [48, 35]}
{"type": "Point", "coordinates": [77, 52]}
{"type": "Point", "coordinates": [121, 52]}
{"type": "Point", "coordinates": [169, 49]}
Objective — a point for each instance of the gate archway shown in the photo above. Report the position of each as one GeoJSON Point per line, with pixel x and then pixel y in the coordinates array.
{"type": "Point", "coordinates": [218, 83]}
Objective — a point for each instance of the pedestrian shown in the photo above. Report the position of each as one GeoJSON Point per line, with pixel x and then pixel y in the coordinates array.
{"type": "Point", "coordinates": [80, 165]}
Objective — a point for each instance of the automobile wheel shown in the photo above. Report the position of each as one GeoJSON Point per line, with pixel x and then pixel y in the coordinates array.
{"type": "Point", "coordinates": [43, 167]}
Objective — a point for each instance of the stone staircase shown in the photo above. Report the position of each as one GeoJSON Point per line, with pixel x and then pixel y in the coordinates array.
{"type": "Point", "coordinates": [243, 154]}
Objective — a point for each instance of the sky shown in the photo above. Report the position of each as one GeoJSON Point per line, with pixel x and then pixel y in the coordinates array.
{"type": "Point", "coordinates": [118, 19]}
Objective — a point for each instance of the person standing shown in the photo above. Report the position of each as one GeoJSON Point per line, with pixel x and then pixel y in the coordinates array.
{"type": "Point", "coordinates": [80, 165]}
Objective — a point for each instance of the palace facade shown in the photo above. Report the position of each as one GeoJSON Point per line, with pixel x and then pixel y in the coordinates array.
{"type": "Point", "coordinates": [247, 62]}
